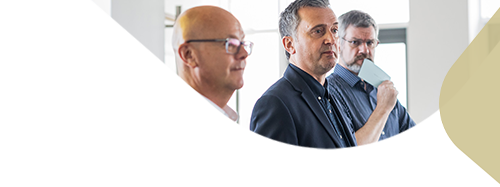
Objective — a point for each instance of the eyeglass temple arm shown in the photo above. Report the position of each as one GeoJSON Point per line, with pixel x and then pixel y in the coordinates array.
{"type": "Point", "coordinates": [214, 40]}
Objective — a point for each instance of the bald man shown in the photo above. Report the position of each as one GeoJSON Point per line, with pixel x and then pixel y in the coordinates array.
{"type": "Point", "coordinates": [210, 54]}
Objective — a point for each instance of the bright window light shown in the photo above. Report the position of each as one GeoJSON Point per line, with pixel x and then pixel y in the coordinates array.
{"type": "Point", "coordinates": [392, 59]}
{"type": "Point", "coordinates": [383, 11]}
{"type": "Point", "coordinates": [259, 19]}
{"type": "Point", "coordinates": [489, 7]}
{"type": "Point", "coordinates": [256, 14]}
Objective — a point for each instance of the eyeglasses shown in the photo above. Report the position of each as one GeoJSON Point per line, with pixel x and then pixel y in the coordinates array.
{"type": "Point", "coordinates": [232, 44]}
{"type": "Point", "coordinates": [355, 43]}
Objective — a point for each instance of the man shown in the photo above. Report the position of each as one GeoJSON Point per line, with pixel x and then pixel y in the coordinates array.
{"type": "Point", "coordinates": [376, 113]}
{"type": "Point", "coordinates": [210, 54]}
{"type": "Point", "coordinates": [297, 109]}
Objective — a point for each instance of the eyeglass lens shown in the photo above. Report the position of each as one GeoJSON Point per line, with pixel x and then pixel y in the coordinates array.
{"type": "Point", "coordinates": [233, 45]}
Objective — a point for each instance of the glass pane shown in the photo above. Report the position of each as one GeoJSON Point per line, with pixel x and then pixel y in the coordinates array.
{"type": "Point", "coordinates": [392, 59]}
{"type": "Point", "coordinates": [256, 14]}
{"type": "Point", "coordinates": [169, 50]}
{"type": "Point", "coordinates": [489, 7]}
{"type": "Point", "coordinates": [261, 72]}
{"type": "Point", "coordinates": [383, 11]}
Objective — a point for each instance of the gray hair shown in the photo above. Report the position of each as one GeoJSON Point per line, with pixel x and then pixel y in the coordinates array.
{"type": "Point", "coordinates": [356, 18]}
{"type": "Point", "coordinates": [289, 18]}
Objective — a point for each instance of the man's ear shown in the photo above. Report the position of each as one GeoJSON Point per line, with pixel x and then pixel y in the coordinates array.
{"type": "Point", "coordinates": [186, 53]}
{"type": "Point", "coordinates": [288, 44]}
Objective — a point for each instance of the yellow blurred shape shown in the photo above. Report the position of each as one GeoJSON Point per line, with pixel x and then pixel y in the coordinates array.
{"type": "Point", "coordinates": [470, 99]}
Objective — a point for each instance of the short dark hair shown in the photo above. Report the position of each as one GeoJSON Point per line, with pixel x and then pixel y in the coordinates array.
{"type": "Point", "coordinates": [356, 18]}
{"type": "Point", "coordinates": [289, 18]}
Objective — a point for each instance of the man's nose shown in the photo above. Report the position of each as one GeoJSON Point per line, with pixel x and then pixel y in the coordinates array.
{"type": "Point", "coordinates": [363, 48]}
{"type": "Point", "coordinates": [242, 53]}
{"type": "Point", "coordinates": [331, 38]}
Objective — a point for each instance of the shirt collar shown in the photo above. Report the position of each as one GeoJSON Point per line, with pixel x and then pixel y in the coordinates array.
{"type": "Point", "coordinates": [345, 74]}
{"type": "Point", "coordinates": [232, 115]}
{"type": "Point", "coordinates": [315, 86]}
{"type": "Point", "coordinates": [227, 111]}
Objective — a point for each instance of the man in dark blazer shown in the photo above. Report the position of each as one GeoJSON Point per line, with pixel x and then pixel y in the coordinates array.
{"type": "Point", "coordinates": [298, 109]}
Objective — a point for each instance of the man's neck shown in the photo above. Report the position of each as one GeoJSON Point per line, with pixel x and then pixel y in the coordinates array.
{"type": "Point", "coordinates": [219, 101]}
{"type": "Point", "coordinates": [318, 77]}
{"type": "Point", "coordinates": [218, 96]}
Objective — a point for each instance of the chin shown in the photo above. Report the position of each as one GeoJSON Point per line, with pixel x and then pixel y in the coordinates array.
{"type": "Point", "coordinates": [329, 64]}
{"type": "Point", "coordinates": [238, 85]}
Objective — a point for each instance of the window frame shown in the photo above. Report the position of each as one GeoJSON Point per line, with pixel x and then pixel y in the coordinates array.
{"type": "Point", "coordinates": [396, 33]}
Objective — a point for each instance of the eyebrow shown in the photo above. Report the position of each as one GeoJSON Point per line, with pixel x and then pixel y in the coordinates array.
{"type": "Point", "coordinates": [319, 25]}
{"type": "Point", "coordinates": [323, 25]}
{"type": "Point", "coordinates": [233, 36]}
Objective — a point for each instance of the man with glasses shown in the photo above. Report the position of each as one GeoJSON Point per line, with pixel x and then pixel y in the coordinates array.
{"type": "Point", "coordinates": [376, 113]}
{"type": "Point", "coordinates": [297, 109]}
{"type": "Point", "coordinates": [210, 54]}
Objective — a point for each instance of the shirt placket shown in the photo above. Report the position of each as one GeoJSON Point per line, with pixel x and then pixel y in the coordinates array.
{"type": "Point", "coordinates": [331, 116]}
{"type": "Point", "coordinates": [364, 86]}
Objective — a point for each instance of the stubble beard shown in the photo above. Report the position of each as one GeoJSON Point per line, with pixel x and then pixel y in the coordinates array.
{"type": "Point", "coordinates": [325, 67]}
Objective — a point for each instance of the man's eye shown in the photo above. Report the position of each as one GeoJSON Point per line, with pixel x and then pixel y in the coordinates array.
{"type": "Point", "coordinates": [354, 42]}
{"type": "Point", "coordinates": [318, 30]}
{"type": "Point", "coordinates": [369, 43]}
{"type": "Point", "coordinates": [335, 30]}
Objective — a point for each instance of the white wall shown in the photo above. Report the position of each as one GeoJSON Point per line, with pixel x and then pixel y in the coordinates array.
{"type": "Point", "coordinates": [52, 57]}
{"type": "Point", "coordinates": [438, 33]}
{"type": "Point", "coordinates": [153, 111]}
{"type": "Point", "coordinates": [97, 82]}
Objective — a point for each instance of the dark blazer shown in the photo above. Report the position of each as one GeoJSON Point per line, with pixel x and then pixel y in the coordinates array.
{"type": "Point", "coordinates": [289, 112]}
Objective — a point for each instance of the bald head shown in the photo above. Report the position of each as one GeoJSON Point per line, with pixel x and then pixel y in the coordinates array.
{"type": "Point", "coordinates": [202, 22]}
{"type": "Point", "coordinates": [205, 64]}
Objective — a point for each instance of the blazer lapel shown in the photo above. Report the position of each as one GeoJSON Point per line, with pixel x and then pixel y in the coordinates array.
{"type": "Point", "coordinates": [300, 85]}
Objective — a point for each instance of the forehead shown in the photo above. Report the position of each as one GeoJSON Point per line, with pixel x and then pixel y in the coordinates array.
{"type": "Point", "coordinates": [210, 23]}
{"type": "Point", "coordinates": [360, 32]}
{"type": "Point", "coordinates": [222, 27]}
{"type": "Point", "coordinates": [312, 16]}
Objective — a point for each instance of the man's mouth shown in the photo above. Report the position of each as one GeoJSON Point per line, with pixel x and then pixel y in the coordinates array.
{"type": "Point", "coordinates": [240, 67]}
{"type": "Point", "coordinates": [362, 57]}
{"type": "Point", "coordinates": [330, 53]}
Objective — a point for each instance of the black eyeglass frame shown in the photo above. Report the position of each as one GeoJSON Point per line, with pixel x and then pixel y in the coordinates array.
{"type": "Point", "coordinates": [250, 44]}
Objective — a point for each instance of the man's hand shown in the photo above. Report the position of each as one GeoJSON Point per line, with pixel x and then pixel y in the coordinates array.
{"type": "Point", "coordinates": [386, 95]}
{"type": "Point", "coordinates": [386, 100]}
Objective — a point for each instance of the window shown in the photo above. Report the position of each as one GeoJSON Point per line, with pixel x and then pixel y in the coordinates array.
{"type": "Point", "coordinates": [488, 8]}
{"type": "Point", "coordinates": [262, 70]}
{"type": "Point", "coordinates": [391, 57]}
{"type": "Point", "coordinates": [383, 11]}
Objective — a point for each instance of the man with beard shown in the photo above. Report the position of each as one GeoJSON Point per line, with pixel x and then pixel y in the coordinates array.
{"type": "Point", "coordinates": [376, 113]}
{"type": "Point", "coordinates": [298, 109]}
